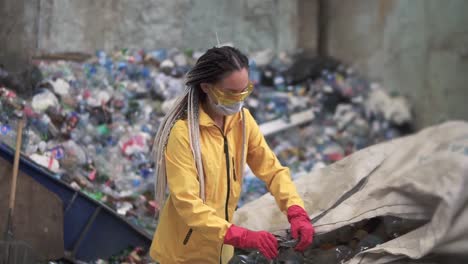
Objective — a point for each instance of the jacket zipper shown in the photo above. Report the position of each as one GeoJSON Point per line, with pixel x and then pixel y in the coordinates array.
{"type": "Point", "coordinates": [226, 153]}
{"type": "Point", "coordinates": [187, 237]}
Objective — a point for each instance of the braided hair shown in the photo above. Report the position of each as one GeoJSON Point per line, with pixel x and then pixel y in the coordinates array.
{"type": "Point", "coordinates": [215, 64]}
{"type": "Point", "coordinates": [211, 67]}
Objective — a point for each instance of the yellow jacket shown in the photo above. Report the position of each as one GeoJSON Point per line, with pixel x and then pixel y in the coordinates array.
{"type": "Point", "coordinates": [190, 231]}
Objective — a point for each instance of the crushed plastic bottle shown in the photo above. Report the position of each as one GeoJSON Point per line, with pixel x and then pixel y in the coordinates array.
{"type": "Point", "coordinates": [42, 101]}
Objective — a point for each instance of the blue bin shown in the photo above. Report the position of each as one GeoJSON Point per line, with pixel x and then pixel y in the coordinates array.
{"type": "Point", "coordinates": [92, 230]}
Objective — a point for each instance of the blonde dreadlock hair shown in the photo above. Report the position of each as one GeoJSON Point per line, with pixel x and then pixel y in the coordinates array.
{"type": "Point", "coordinates": [211, 67]}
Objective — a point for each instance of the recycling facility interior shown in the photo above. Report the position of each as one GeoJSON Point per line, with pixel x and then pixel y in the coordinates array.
{"type": "Point", "coordinates": [332, 77]}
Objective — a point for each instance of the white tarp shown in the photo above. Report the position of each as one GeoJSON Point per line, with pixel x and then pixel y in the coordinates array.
{"type": "Point", "coordinates": [423, 176]}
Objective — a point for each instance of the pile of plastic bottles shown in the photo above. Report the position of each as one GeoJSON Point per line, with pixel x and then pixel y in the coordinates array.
{"type": "Point", "coordinates": [92, 123]}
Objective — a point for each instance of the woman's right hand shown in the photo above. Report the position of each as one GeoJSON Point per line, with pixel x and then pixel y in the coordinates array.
{"type": "Point", "coordinates": [243, 238]}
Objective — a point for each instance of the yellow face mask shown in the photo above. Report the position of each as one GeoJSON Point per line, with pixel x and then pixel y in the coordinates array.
{"type": "Point", "coordinates": [230, 98]}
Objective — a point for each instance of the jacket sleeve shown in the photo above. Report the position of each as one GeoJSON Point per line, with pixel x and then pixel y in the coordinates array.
{"type": "Point", "coordinates": [264, 164]}
{"type": "Point", "coordinates": [184, 187]}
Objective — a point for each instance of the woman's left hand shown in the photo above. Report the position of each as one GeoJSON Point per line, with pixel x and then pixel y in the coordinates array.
{"type": "Point", "coordinates": [301, 227]}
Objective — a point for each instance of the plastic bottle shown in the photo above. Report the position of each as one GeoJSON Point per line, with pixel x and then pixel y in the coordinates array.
{"type": "Point", "coordinates": [343, 254]}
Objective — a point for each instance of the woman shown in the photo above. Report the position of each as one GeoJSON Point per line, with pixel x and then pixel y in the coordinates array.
{"type": "Point", "coordinates": [200, 151]}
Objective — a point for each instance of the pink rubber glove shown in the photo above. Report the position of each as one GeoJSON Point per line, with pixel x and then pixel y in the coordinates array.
{"type": "Point", "coordinates": [301, 227]}
{"type": "Point", "coordinates": [243, 238]}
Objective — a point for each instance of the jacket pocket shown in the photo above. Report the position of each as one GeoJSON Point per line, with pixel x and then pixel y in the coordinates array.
{"type": "Point", "coordinates": [187, 237]}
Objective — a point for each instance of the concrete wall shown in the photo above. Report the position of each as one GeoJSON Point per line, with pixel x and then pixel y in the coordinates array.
{"type": "Point", "coordinates": [418, 48]}
{"type": "Point", "coordinates": [86, 25]}
{"type": "Point", "coordinates": [17, 33]}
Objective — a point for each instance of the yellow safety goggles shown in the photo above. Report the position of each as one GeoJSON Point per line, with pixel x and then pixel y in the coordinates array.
{"type": "Point", "coordinates": [230, 98]}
